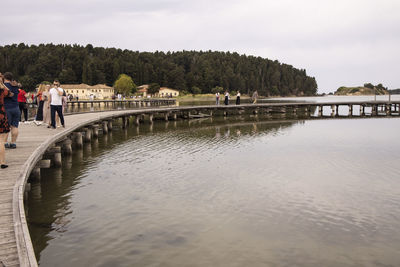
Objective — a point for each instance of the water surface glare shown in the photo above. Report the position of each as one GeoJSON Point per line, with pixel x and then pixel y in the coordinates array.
{"type": "Point", "coordinates": [225, 193]}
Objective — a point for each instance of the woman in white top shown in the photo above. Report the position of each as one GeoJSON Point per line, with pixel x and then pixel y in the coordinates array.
{"type": "Point", "coordinates": [226, 98]}
{"type": "Point", "coordinates": [238, 98]}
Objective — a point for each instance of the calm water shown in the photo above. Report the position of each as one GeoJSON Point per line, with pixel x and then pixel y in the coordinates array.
{"type": "Point", "coordinates": [228, 192]}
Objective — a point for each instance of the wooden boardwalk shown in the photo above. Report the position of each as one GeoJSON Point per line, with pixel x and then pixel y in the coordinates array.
{"type": "Point", "coordinates": [33, 141]}
{"type": "Point", "coordinates": [31, 144]}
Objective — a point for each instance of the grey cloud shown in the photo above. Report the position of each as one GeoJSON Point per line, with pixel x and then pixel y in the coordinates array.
{"type": "Point", "coordinates": [355, 39]}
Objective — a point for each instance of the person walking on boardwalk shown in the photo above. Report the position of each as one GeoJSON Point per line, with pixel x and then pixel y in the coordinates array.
{"type": "Point", "coordinates": [56, 94]}
{"type": "Point", "coordinates": [226, 98]}
{"type": "Point", "coordinates": [46, 105]}
{"type": "Point", "coordinates": [4, 126]}
{"type": "Point", "coordinates": [23, 108]}
{"type": "Point", "coordinates": [217, 98]}
{"type": "Point", "coordinates": [238, 98]}
{"type": "Point", "coordinates": [12, 109]}
{"type": "Point", "coordinates": [39, 96]}
{"type": "Point", "coordinates": [255, 96]}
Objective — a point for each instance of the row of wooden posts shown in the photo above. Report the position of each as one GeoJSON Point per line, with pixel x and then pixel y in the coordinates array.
{"type": "Point", "coordinates": [127, 103]}
{"type": "Point", "coordinates": [75, 140]}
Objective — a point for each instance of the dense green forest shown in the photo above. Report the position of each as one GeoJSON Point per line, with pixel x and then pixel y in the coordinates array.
{"type": "Point", "coordinates": [183, 70]}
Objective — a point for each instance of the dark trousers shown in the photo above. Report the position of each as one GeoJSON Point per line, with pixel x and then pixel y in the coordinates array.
{"type": "Point", "coordinates": [39, 114]}
{"type": "Point", "coordinates": [53, 110]}
{"type": "Point", "coordinates": [23, 109]}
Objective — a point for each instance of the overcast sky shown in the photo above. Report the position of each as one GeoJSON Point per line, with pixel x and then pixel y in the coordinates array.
{"type": "Point", "coordinates": [339, 42]}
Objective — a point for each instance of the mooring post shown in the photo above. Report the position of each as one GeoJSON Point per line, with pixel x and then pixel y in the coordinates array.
{"type": "Point", "coordinates": [174, 116]}
{"type": "Point", "coordinates": [166, 116]}
{"type": "Point", "coordinates": [151, 118]}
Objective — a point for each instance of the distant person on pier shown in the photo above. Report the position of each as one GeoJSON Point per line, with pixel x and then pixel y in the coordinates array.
{"type": "Point", "coordinates": [46, 105]}
{"type": "Point", "coordinates": [217, 98]}
{"type": "Point", "coordinates": [255, 96]}
{"type": "Point", "coordinates": [4, 126]}
{"type": "Point", "coordinates": [56, 102]}
{"type": "Point", "coordinates": [238, 98]}
{"type": "Point", "coordinates": [39, 96]}
{"type": "Point", "coordinates": [226, 98]}
{"type": "Point", "coordinates": [12, 109]}
{"type": "Point", "coordinates": [23, 108]}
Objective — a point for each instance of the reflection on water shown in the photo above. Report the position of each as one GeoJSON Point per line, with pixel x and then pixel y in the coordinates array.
{"type": "Point", "coordinates": [225, 192]}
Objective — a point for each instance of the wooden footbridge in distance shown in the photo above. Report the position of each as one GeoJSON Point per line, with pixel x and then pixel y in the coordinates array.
{"type": "Point", "coordinates": [40, 147]}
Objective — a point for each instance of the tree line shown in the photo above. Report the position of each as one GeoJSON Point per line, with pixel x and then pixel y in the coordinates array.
{"type": "Point", "coordinates": [186, 71]}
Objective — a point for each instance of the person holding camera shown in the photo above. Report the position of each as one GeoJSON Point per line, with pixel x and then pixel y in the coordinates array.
{"type": "Point", "coordinates": [56, 95]}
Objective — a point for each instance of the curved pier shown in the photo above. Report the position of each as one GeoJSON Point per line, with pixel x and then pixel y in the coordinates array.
{"type": "Point", "coordinates": [39, 147]}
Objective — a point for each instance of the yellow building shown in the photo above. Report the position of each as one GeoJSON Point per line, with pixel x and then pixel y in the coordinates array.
{"type": "Point", "coordinates": [142, 90]}
{"type": "Point", "coordinates": [167, 92]}
{"type": "Point", "coordinates": [84, 91]}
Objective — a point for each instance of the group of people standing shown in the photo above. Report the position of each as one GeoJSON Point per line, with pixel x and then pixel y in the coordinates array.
{"type": "Point", "coordinates": [227, 97]}
{"type": "Point", "coordinates": [51, 101]}
{"type": "Point", "coordinates": [13, 103]}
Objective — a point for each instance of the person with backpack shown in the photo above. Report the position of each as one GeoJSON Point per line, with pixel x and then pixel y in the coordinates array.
{"type": "Point", "coordinates": [12, 109]}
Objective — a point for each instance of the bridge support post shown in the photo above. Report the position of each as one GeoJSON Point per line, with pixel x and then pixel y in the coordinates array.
{"type": "Point", "coordinates": [320, 109]}
{"type": "Point", "coordinates": [374, 110]}
{"type": "Point", "coordinates": [66, 147]}
{"type": "Point", "coordinates": [151, 117]}
{"type": "Point", "coordinates": [78, 140]}
{"type": "Point", "coordinates": [54, 154]}
{"type": "Point", "coordinates": [137, 119]}
{"type": "Point", "coordinates": [388, 109]}
{"type": "Point", "coordinates": [350, 110]}
{"type": "Point", "coordinates": [124, 122]}
{"type": "Point", "coordinates": [95, 130]}
{"type": "Point", "coordinates": [88, 134]}
{"type": "Point", "coordinates": [110, 125]}
{"type": "Point", "coordinates": [105, 127]}
{"type": "Point", "coordinates": [35, 174]}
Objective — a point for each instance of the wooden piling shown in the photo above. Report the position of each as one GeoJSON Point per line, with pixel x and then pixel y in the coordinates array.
{"type": "Point", "coordinates": [88, 134]}
{"type": "Point", "coordinates": [105, 127]}
{"type": "Point", "coordinates": [78, 139]}
{"type": "Point", "coordinates": [110, 125]}
{"type": "Point", "coordinates": [66, 146]}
